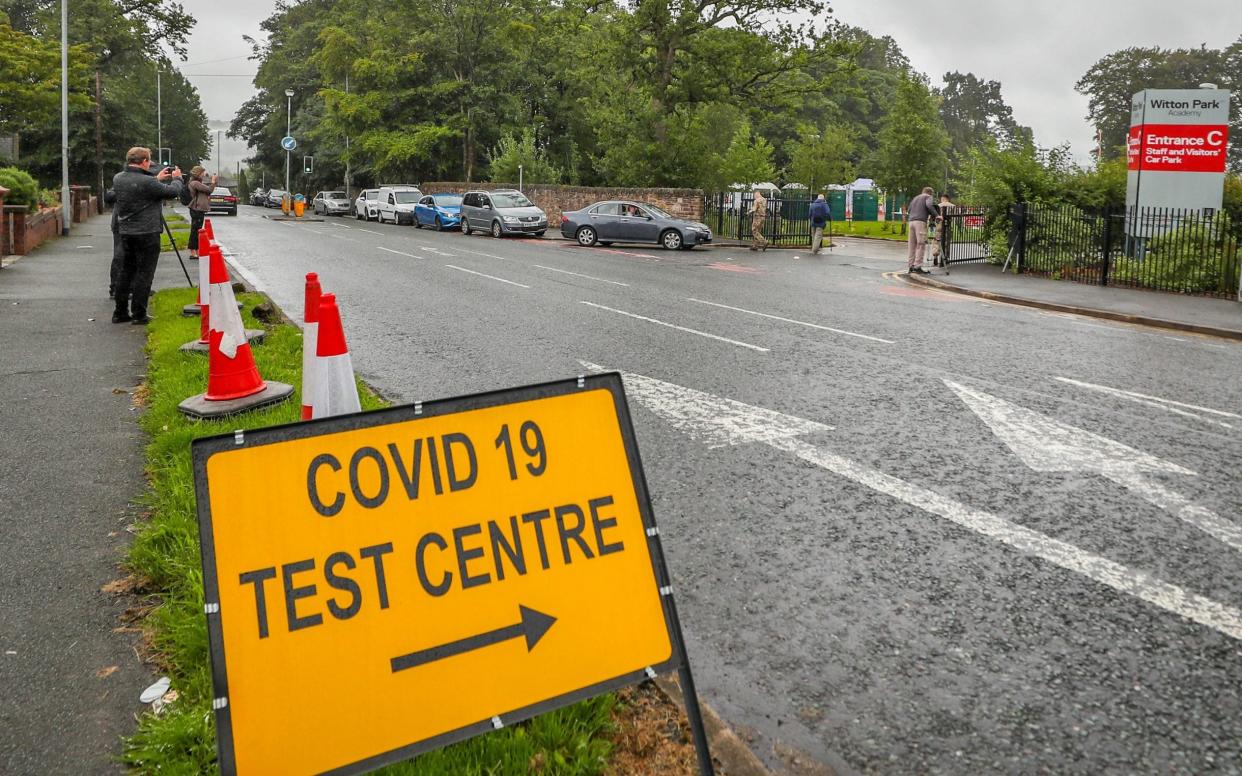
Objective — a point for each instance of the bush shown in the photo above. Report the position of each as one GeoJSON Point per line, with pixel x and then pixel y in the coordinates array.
{"type": "Point", "coordinates": [23, 190]}
{"type": "Point", "coordinates": [1194, 259]}
{"type": "Point", "coordinates": [49, 197]}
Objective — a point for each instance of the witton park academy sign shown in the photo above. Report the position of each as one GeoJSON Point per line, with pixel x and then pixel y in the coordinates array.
{"type": "Point", "coordinates": [381, 584]}
{"type": "Point", "coordinates": [1177, 148]}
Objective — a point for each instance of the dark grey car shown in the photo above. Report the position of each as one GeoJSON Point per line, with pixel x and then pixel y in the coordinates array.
{"type": "Point", "coordinates": [626, 221]}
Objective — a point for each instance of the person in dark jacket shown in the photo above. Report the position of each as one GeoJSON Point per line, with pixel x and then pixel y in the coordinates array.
{"type": "Point", "coordinates": [200, 203]}
{"type": "Point", "coordinates": [140, 194]}
{"type": "Point", "coordinates": [821, 217]}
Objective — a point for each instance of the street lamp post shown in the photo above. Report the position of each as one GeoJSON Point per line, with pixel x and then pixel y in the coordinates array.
{"type": "Point", "coordinates": [65, 204]}
{"type": "Point", "coordinates": [288, 132]}
{"type": "Point", "coordinates": [519, 177]}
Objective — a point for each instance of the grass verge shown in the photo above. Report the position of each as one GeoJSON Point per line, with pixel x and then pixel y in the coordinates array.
{"type": "Point", "coordinates": [575, 741]}
{"type": "Point", "coordinates": [884, 230]}
{"type": "Point", "coordinates": [180, 228]}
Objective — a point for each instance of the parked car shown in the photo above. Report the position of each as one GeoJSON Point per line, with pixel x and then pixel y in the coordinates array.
{"type": "Point", "coordinates": [274, 196]}
{"type": "Point", "coordinates": [258, 197]}
{"type": "Point", "coordinates": [506, 211]}
{"type": "Point", "coordinates": [330, 203]}
{"type": "Point", "coordinates": [364, 205]}
{"type": "Point", "coordinates": [396, 204]}
{"type": "Point", "coordinates": [441, 211]}
{"type": "Point", "coordinates": [627, 221]}
{"type": "Point", "coordinates": [223, 201]}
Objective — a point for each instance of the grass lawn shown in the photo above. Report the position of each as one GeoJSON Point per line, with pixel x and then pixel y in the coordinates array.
{"type": "Point", "coordinates": [578, 740]}
{"type": "Point", "coordinates": [884, 230]}
{"type": "Point", "coordinates": [180, 228]}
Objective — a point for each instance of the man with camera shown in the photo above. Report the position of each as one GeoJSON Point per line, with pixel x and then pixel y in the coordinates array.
{"type": "Point", "coordinates": [140, 195]}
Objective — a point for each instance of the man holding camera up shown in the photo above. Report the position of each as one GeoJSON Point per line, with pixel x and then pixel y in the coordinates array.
{"type": "Point", "coordinates": [140, 194]}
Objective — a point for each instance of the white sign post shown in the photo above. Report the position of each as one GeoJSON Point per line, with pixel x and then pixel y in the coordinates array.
{"type": "Point", "coordinates": [1177, 149]}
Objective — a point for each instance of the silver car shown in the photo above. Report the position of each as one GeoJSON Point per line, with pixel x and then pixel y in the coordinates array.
{"type": "Point", "coordinates": [502, 212]}
{"type": "Point", "coordinates": [330, 203]}
{"type": "Point", "coordinates": [632, 222]}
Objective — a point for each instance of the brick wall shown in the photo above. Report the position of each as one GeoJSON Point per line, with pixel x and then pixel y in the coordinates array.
{"type": "Point", "coordinates": [4, 224]}
{"type": "Point", "coordinates": [555, 199]}
{"type": "Point", "coordinates": [31, 229]}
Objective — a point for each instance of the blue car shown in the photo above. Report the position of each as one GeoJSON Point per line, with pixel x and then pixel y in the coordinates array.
{"type": "Point", "coordinates": [439, 211]}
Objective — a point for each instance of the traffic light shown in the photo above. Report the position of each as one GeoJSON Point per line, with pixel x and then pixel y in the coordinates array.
{"type": "Point", "coordinates": [308, 164]}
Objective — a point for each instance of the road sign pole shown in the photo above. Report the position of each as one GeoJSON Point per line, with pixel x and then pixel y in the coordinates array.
{"type": "Point", "coordinates": [691, 698]}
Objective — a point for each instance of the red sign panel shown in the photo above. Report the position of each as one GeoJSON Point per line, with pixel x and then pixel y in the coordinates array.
{"type": "Point", "coordinates": [1178, 147]}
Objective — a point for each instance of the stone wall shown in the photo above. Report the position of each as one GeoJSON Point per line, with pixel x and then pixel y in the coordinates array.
{"type": "Point", "coordinates": [556, 199]}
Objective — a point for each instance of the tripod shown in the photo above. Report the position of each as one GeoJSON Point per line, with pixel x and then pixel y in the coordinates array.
{"type": "Point", "coordinates": [173, 242]}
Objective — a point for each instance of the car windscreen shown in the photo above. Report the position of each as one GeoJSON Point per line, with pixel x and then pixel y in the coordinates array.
{"type": "Point", "coordinates": [655, 211]}
{"type": "Point", "coordinates": [447, 200]}
{"type": "Point", "coordinates": [276, 193]}
{"type": "Point", "coordinates": [335, 195]}
{"type": "Point", "coordinates": [511, 200]}
{"type": "Point", "coordinates": [220, 191]}
{"type": "Point", "coordinates": [371, 194]}
{"type": "Point", "coordinates": [407, 197]}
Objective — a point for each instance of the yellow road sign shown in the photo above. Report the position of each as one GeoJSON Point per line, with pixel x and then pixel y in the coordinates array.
{"type": "Point", "coordinates": [385, 583]}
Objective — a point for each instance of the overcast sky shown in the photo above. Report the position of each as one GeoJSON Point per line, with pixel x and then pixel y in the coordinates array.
{"type": "Point", "coordinates": [1038, 51]}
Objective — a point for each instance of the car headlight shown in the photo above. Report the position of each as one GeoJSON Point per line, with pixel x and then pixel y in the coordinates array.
{"type": "Point", "coordinates": [512, 220]}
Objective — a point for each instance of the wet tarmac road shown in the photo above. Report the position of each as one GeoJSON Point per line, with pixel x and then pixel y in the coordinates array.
{"type": "Point", "coordinates": [967, 537]}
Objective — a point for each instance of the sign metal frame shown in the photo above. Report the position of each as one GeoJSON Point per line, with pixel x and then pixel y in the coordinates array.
{"type": "Point", "coordinates": [202, 449]}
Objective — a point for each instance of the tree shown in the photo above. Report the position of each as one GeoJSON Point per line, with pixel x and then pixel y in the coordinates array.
{"type": "Point", "coordinates": [521, 151]}
{"type": "Point", "coordinates": [912, 141]}
{"type": "Point", "coordinates": [747, 160]}
{"type": "Point", "coordinates": [1113, 80]}
{"type": "Point", "coordinates": [30, 92]}
{"type": "Point", "coordinates": [974, 112]}
{"type": "Point", "coordinates": [823, 157]}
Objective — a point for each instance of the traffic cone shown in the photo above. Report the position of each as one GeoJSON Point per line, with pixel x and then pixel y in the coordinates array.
{"type": "Point", "coordinates": [310, 331]}
{"type": "Point", "coordinates": [336, 392]}
{"type": "Point", "coordinates": [203, 343]}
{"type": "Point", "coordinates": [233, 381]}
{"type": "Point", "coordinates": [205, 244]}
{"type": "Point", "coordinates": [211, 233]}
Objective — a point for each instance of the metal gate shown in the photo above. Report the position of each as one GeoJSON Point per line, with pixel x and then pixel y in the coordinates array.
{"type": "Point", "coordinates": [729, 215]}
{"type": "Point", "coordinates": [960, 236]}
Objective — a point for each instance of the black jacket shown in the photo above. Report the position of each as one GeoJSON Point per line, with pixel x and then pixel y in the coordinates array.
{"type": "Point", "coordinates": [138, 200]}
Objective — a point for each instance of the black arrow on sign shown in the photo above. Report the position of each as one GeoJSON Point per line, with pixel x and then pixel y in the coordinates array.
{"type": "Point", "coordinates": [533, 625]}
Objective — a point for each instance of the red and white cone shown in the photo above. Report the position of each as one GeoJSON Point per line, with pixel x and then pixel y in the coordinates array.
{"type": "Point", "coordinates": [211, 233]}
{"type": "Point", "coordinates": [205, 244]}
{"type": "Point", "coordinates": [203, 343]}
{"type": "Point", "coordinates": [310, 331]}
{"type": "Point", "coordinates": [336, 392]}
{"type": "Point", "coordinates": [233, 381]}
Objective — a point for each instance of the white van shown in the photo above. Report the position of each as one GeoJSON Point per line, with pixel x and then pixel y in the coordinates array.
{"type": "Point", "coordinates": [396, 204]}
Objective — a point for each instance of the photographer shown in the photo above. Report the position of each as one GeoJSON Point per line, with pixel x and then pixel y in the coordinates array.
{"type": "Point", "coordinates": [140, 219]}
{"type": "Point", "coordinates": [200, 203]}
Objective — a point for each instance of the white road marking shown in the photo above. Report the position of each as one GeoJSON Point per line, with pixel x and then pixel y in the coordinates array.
{"type": "Point", "coordinates": [678, 328]}
{"type": "Point", "coordinates": [489, 277]}
{"type": "Point", "coordinates": [1155, 401]}
{"type": "Point", "coordinates": [372, 231]}
{"type": "Point", "coordinates": [336, 236]}
{"type": "Point", "coordinates": [791, 320]}
{"type": "Point", "coordinates": [1047, 445]}
{"type": "Point", "coordinates": [682, 407]}
{"type": "Point", "coordinates": [488, 255]}
{"type": "Point", "coordinates": [399, 253]}
{"type": "Point", "coordinates": [580, 275]}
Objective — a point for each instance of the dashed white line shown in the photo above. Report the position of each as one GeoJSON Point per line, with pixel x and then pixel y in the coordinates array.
{"type": "Point", "coordinates": [371, 231]}
{"type": "Point", "coordinates": [580, 275]}
{"type": "Point", "coordinates": [679, 328]}
{"type": "Point", "coordinates": [482, 275]}
{"type": "Point", "coordinates": [399, 253]}
{"type": "Point", "coordinates": [488, 255]}
{"type": "Point", "coordinates": [791, 320]}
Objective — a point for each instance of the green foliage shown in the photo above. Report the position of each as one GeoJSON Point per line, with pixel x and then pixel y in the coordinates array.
{"type": "Point", "coordinates": [573, 741]}
{"type": "Point", "coordinates": [243, 187]}
{"type": "Point", "coordinates": [975, 115]}
{"type": "Point", "coordinates": [23, 189]}
{"type": "Point", "coordinates": [747, 160]}
{"type": "Point", "coordinates": [30, 93]}
{"type": "Point", "coordinates": [824, 157]}
{"type": "Point", "coordinates": [512, 152]}
{"type": "Point", "coordinates": [912, 141]}
{"type": "Point", "coordinates": [1199, 257]}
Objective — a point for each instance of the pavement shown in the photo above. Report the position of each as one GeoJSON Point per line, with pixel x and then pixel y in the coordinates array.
{"type": "Point", "coordinates": [1218, 317]}
{"type": "Point", "coordinates": [72, 470]}
{"type": "Point", "coordinates": [909, 530]}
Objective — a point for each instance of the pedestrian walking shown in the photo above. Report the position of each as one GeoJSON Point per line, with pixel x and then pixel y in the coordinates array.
{"type": "Point", "coordinates": [200, 203]}
{"type": "Point", "coordinates": [140, 195]}
{"type": "Point", "coordinates": [821, 218]}
{"type": "Point", "coordinates": [758, 215]}
{"type": "Point", "coordinates": [921, 210]}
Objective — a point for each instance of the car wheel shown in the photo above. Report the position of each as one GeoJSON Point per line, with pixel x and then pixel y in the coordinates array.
{"type": "Point", "coordinates": [586, 236]}
{"type": "Point", "coordinates": [465, 227]}
{"type": "Point", "coordinates": [671, 239]}
{"type": "Point", "coordinates": [539, 234]}
{"type": "Point", "coordinates": [497, 230]}
{"type": "Point", "coordinates": [439, 225]}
